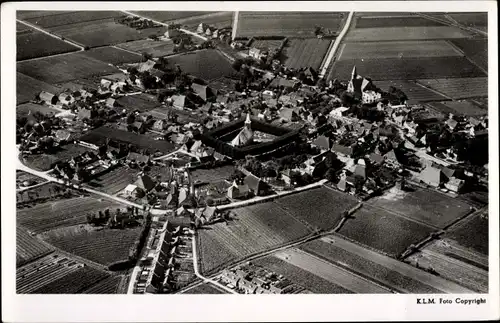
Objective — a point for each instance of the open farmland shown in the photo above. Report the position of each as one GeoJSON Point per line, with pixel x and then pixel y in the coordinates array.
{"type": "Point", "coordinates": [106, 286]}
{"type": "Point", "coordinates": [115, 180]}
{"type": "Point", "coordinates": [303, 53]}
{"type": "Point", "coordinates": [29, 248]}
{"type": "Point", "coordinates": [31, 43]}
{"type": "Point", "coordinates": [212, 175]}
{"type": "Point", "coordinates": [410, 68]}
{"type": "Point", "coordinates": [50, 215]}
{"type": "Point", "coordinates": [288, 24]}
{"type": "Point", "coordinates": [413, 90]}
{"type": "Point", "coordinates": [142, 102]}
{"type": "Point", "coordinates": [475, 49]}
{"type": "Point", "coordinates": [252, 229]}
{"type": "Point", "coordinates": [477, 20]}
{"type": "Point", "coordinates": [329, 206]}
{"type": "Point", "coordinates": [156, 48]}
{"type": "Point", "coordinates": [459, 88]}
{"type": "Point", "coordinates": [404, 33]}
{"type": "Point", "coordinates": [214, 21]}
{"type": "Point", "coordinates": [382, 14]}
{"type": "Point", "coordinates": [204, 288]}
{"type": "Point", "coordinates": [472, 232]}
{"type": "Point", "coordinates": [434, 209]}
{"type": "Point", "coordinates": [113, 55]}
{"type": "Point", "coordinates": [50, 19]}
{"type": "Point", "coordinates": [25, 109]}
{"type": "Point", "coordinates": [27, 88]}
{"type": "Point", "coordinates": [206, 64]}
{"type": "Point", "coordinates": [397, 49]}
{"type": "Point", "coordinates": [384, 22]}
{"type": "Point", "coordinates": [73, 283]}
{"type": "Point", "coordinates": [167, 16]}
{"type": "Point", "coordinates": [383, 231]}
{"type": "Point", "coordinates": [300, 276]}
{"type": "Point", "coordinates": [65, 68]}
{"type": "Point", "coordinates": [106, 246]}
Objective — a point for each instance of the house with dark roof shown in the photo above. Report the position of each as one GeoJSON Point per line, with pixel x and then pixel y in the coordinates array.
{"type": "Point", "coordinates": [203, 91]}
{"type": "Point", "coordinates": [238, 191]}
{"type": "Point", "coordinates": [145, 183]}
{"type": "Point", "coordinates": [255, 184]}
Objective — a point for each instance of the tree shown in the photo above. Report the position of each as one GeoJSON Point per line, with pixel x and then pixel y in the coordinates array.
{"type": "Point", "coordinates": [237, 64]}
{"type": "Point", "coordinates": [331, 175]}
{"type": "Point", "coordinates": [130, 118]}
{"type": "Point", "coordinates": [146, 56]}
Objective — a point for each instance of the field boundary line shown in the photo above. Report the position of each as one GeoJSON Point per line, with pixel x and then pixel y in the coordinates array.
{"type": "Point", "coordinates": [457, 262]}
{"type": "Point", "coordinates": [307, 225]}
{"type": "Point", "coordinates": [82, 48]}
{"type": "Point", "coordinates": [433, 90]}
{"type": "Point", "coordinates": [432, 226]}
{"type": "Point", "coordinates": [123, 49]}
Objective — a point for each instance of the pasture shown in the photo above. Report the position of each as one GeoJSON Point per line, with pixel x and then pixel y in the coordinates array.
{"type": "Point", "coordinates": [73, 283]}
{"type": "Point", "coordinates": [475, 49]}
{"type": "Point", "coordinates": [322, 208]}
{"type": "Point", "coordinates": [115, 180]}
{"type": "Point", "coordinates": [404, 33]}
{"type": "Point", "coordinates": [288, 24]}
{"type": "Point", "coordinates": [406, 68]}
{"type": "Point", "coordinates": [413, 90]}
{"type": "Point", "coordinates": [106, 246]}
{"type": "Point", "coordinates": [459, 88]}
{"type": "Point", "coordinates": [384, 22]}
{"type": "Point", "coordinates": [383, 231]}
{"type": "Point", "coordinates": [27, 88]}
{"type": "Point", "coordinates": [206, 64]}
{"type": "Point", "coordinates": [31, 43]}
{"type": "Point", "coordinates": [112, 55]}
{"type": "Point", "coordinates": [29, 248]}
{"type": "Point", "coordinates": [156, 48]}
{"type": "Point", "coordinates": [303, 53]}
{"type": "Point", "coordinates": [397, 49]}
{"type": "Point", "coordinates": [62, 213]}
{"type": "Point", "coordinates": [426, 206]}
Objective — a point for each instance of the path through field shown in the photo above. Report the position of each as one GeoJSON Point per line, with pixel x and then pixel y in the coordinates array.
{"type": "Point", "coordinates": [50, 34]}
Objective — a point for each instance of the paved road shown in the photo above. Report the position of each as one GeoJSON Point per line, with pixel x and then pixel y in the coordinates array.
{"type": "Point", "coordinates": [335, 46]}
{"type": "Point", "coordinates": [398, 266]}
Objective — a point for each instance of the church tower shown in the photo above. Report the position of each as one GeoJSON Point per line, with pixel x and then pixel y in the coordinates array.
{"type": "Point", "coordinates": [248, 122]}
{"type": "Point", "coordinates": [354, 73]}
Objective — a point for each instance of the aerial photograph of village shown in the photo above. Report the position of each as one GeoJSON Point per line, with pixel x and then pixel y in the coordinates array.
{"type": "Point", "coordinates": [238, 152]}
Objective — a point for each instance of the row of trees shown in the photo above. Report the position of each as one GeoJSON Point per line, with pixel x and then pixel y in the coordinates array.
{"type": "Point", "coordinates": [135, 250]}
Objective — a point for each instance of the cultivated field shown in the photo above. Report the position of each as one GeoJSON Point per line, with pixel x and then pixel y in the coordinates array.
{"type": "Point", "coordinates": [204, 288]}
{"type": "Point", "coordinates": [212, 175]}
{"type": "Point", "coordinates": [406, 68]}
{"type": "Point", "coordinates": [155, 48]}
{"type": "Point", "coordinates": [113, 55]}
{"type": "Point", "coordinates": [322, 208]}
{"type": "Point", "coordinates": [31, 43]}
{"type": "Point", "coordinates": [27, 88]}
{"type": "Point", "coordinates": [477, 20]}
{"type": "Point", "coordinates": [252, 229]}
{"type": "Point", "coordinates": [105, 286]}
{"type": "Point", "coordinates": [51, 19]}
{"type": "Point", "coordinates": [217, 20]}
{"type": "Point", "coordinates": [142, 102]}
{"type": "Point", "coordinates": [382, 14]}
{"type": "Point", "coordinates": [475, 49]}
{"type": "Point", "coordinates": [25, 109]}
{"type": "Point", "coordinates": [115, 180]}
{"type": "Point", "coordinates": [404, 33]}
{"type": "Point", "coordinates": [459, 88]}
{"type": "Point", "coordinates": [29, 248]}
{"type": "Point", "coordinates": [378, 22]}
{"type": "Point", "coordinates": [65, 68]}
{"type": "Point", "coordinates": [105, 246]}
{"type": "Point", "coordinates": [300, 276]}
{"type": "Point", "coordinates": [426, 206]}
{"type": "Point", "coordinates": [167, 16]}
{"type": "Point", "coordinates": [289, 24]}
{"type": "Point", "coordinates": [206, 64]}
{"type": "Point", "coordinates": [414, 91]}
{"type": "Point", "coordinates": [303, 53]}
{"type": "Point", "coordinates": [62, 213]}
{"type": "Point", "coordinates": [73, 283]}
{"type": "Point", "coordinates": [471, 233]}
{"type": "Point", "coordinates": [383, 231]}
{"type": "Point", "coordinates": [397, 49]}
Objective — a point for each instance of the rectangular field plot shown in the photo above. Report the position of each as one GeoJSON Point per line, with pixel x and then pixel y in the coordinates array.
{"type": "Point", "coordinates": [106, 246]}
{"type": "Point", "coordinates": [388, 272]}
{"type": "Point", "coordinates": [414, 91]}
{"type": "Point", "coordinates": [205, 288]}
{"type": "Point", "coordinates": [32, 43]}
{"type": "Point", "coordinates": [303, 53]}
{"type": "Point", "coordinates": [322, 208]}
{"type": "Point", "coordinates": [50, 19]}
{"type": "Point", "coordinates": [65, 68]}
{"type": "Point", "coordinates": [472, 233]}
{"type": "Point", "coordinates": [165, 16]}
{"type": "Point", "coordinates": [383, 22]}
{"type": "Point", "coordinates": [29, 248]}
{"type": "Point", "coordinates": [206, 64]}
{"type": "Point", "coordinates": [475, 49]}
{"type": "Point", "coordinates": [384, 231]}
{"type": "Point", "coordinates": [459, 88]}
{"type": "Point", "coordinates": [400, 49]}
{"type": "Point", "coordinates": [289, 24]}
{"type": "Point", "coordinates": [404, 33]}
{"type": "Point", "coordinates": [112, 55]}
{"type": "Point", "coordinates": [73, 283]}
{"type": "Point", "coordinates": [50, 215]}
{"type": "Point", "coordinates": [142, 102]}
{"type": "Point", "coordinates": [301, 277]}
{"type": "Point", "coordinates": [471, 19]}
{"type": "Point", "coordinates": [106, 286]}
{"type": "Point", "coordinates": [155, 48]}
{"type": "Point", "coordinates": [432, 208]}
{"type": "Point", "coordinates": [115, 180]}
{"type": "Point", "coordinates": [27, 88]}
{"type": "Point", "coordinates": [406, 68]}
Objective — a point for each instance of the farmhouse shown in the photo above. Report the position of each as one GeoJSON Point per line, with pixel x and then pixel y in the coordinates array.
{"type": "Point", "coordinates": [238, 191]}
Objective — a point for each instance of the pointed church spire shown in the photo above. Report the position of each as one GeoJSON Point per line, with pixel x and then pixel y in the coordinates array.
{"type": "Point", "coordinates": [248, 122]}
{"type": "Point", "coordinates": [354, 73]}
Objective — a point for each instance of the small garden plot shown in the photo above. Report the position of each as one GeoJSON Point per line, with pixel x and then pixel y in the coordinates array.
{"type": "Point", "coordinates": [69, 212]}
{"type": "Point", "coordinates": [27, 88]}
{"type": "Point", "coordinates": [414, 91]}
{"type": "Point", "coordinates": [206, 64]}
{"type": "Point", "coordinates": [384, 22]}
{"type": "Point", "coordinates": [435, 209]}
{"type": "Point", "coordinates": [115, 180]}
{"type": "Point", "coordinates": [397, 49]}
{"type": "Point", "coordinates": [406, 68]}
{"type": "Point", "coordinates": [106, 246]}
{"type": "Point", "coordinates": [106, 286]}
{"type": "Point", "coordinates": [25, 109]}
{"type": "Point", "coordinates": [303, 53]}
{"type": "Point", "coordinates": [204, 288]}
{"type": "Point", "coordinates": [29, 248]}
{"type": "Point", "coordinates": [74, 283]}
{"type": "Point", "coordinates": [300, 277]}
{"type": "Point", "coordinates": [65, 68]}
{"type": "Point", "coordinates": [459, 88]}
{"type": "Point", "coordinates": [156, 48]}
{"type": "Point", "coordinates": [383, 231]}
{"type": "Point", "coordinates": [212, 175]}
{"type": "Point", "coordinates": [472, 233]}
{"type": "Point", "coordinates": [142, 102]}
{"type": "Point", "coordinates": [32, 43]}
{"type": "Point", "coordinates": [322, 208]}
{"type": "Point", "coordinates": [113, 55]}
{"type": "Point", "coordinates": [404, 33]}
{"type": "Point", "coordinates": [50, 19]}
{"type": "Point", "coordinates": [474, 49]}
